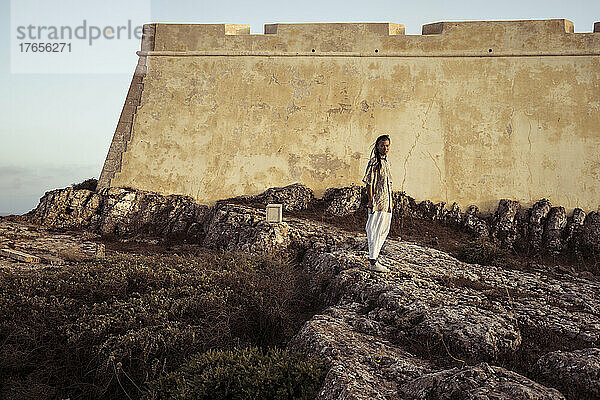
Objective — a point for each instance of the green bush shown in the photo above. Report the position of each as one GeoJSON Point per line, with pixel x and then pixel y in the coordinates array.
{"type": "Point", "coordinates": [103, 328]}
{"type": "Point", "coordinates": [241, 374]}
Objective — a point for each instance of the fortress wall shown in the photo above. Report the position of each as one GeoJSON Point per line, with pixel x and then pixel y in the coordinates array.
{"type": "Point", "coordinates": [477, 111]}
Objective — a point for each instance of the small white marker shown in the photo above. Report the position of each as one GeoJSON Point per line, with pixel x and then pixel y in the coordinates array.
{"type": "Point", "coordinates": [274, 213]}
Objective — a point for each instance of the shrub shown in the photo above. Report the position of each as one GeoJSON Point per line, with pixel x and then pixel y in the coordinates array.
{"type": "Point", "coordinates": [240, 374]}
{"type": "Point", "coordinates": [89, 184]}
{"type": "Point", "coordinates": [484, 252]}
{"type": "Point", "coordinates": [104, 327]}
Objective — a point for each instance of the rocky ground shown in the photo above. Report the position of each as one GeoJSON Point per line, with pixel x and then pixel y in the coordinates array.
{"type": "Point", "coordinates": [52, 248]}
{"type": "Point", "coordinates": [432, 328]}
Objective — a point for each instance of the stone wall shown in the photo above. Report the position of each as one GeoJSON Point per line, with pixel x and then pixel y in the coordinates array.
{"type": "Point", "coordinates": [477, 111]}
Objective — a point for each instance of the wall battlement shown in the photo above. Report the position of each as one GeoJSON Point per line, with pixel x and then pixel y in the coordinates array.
{"type": "Point", "coordinates": [477, 111]}
{"type": "Point", "coordinates": [379, 39]}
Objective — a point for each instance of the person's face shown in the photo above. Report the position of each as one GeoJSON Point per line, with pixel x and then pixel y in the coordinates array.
{"type": "Point", "coordinates": [383, 147]}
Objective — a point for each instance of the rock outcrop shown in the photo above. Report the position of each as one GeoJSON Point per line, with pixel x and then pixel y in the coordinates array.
{"type": "Point", "coordinates": [432, 328]}
{"type": "Point", "coordinates": [121, 212]}
{"type": "Point", "coordinates": [294, 197]}
{"type": "Point", "coordinates": [590, 232]}
{"type": "Point", "coordinates": [574, 372]}
{"type": "Point", "coordinates": [128, 212]}
{"type": "Point", "coordinates": [343, 201]}
{"type": "Point", "coordinates": [481, 381]}
{"type": "Point", "coordinates": [49, 247]}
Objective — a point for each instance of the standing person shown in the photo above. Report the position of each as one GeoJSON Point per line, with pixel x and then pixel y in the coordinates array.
{"type": "Point", "coordinates": [378, 179]}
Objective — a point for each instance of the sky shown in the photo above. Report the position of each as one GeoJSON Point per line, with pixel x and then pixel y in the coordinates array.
{"type": "Point", "coordinates": [58, 112]}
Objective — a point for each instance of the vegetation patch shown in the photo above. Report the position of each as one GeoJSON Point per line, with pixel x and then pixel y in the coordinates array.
{"type": "Point", "coordinates": [105, 328]}
{"type": "Point", "coordinates": [240, 374]}
{"type": "Point", "coordinates": [485, 252]}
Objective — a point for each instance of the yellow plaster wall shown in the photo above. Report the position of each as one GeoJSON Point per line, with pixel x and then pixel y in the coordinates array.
{"type": "Point", "coordinates": [225, 113]}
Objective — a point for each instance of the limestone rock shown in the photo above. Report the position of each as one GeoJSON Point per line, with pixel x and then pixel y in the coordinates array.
{"type": "Point", "coordinates": [430, 211]}
{"type": "Point", "coordinates": [121, 212]}
{"type": "Point", "coordinates": [363, 365]}
{"type": "Point", "coordinates": [590, 233]}
{"type": "Point", "coordinates": [47, 245]}
{"type": "Point", "coordinates": [478, 311]}
{"type": "Point", "coordinates": [67, 209]}
{"type": "Point", "coordinates": [454, 216]}
{"type": "Point", "coordinates": [473, 223]}
{"type": "Point", "coordinates": [240, 228]}
{"type": "Point", "coordinates": [481, 381]}
{"type": "Point", "coordinates": [343, 201]}
{"type": "Point", "coordinates": [504, 222]}
{"type": "Point", "coordinates": [129, 213]}
{"type": "Point", "coordinates": [135, 212]}
{"type": "Point", "coordinates": [578, 216]}
{"type": "Point", "coordinates": [471, 333]}
{"type": "Point", "coordinates": [322, 265]}
{"type": "Point", "coordinates": [577, 372]}
{"type": "Point", "coordinates": [573, 229]}
{"type": "Point", "coordinates": [243, 228]}
{"type": "Point", "coordinates": [537, 219]}
{"type": "Point", "coordinates": [553, 231]}
{"type": "Point", "coordinates": [293, 197]}
{"type": "Point", "coordinates": [404, 205]}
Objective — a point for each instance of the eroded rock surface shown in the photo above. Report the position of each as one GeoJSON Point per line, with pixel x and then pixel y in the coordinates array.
{"type": "Point", "coordinates": [590, 232]}
{"type": "Point", "coordinates": [127, 212]}
{"type": "Point", "coordinates": [433, 327]}
{"type": "Point", "coordinates": [577, 372]}
{"type": "Point", "coordinates": [343, 201]}
{"type": "Point", "coordinates": [121, 212]}
{"type": "Point", "coordinates": [481, 381]}
{"type": "Point", "coordinates": [293, 197]}
{"type": "Point", "coordinates": [53, 248]}
{"type": "Point", "coordinates": [430, 302]}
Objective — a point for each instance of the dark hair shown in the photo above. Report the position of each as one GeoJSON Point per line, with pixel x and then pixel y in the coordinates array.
{"type": "Point", "coordinates": [375, 151]}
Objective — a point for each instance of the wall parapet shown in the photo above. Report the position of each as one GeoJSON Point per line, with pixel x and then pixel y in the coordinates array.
{"type": "Point", "coordinates": [360, 54]}
{"type": "Point", "coordinates": [554, 36]}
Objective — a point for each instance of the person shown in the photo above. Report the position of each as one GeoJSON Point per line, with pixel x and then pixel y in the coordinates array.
{"type": "Point", "coordinates": [378, 179]}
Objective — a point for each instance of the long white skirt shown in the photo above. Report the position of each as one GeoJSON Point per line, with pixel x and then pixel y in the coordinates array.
{"type": "Point", "coordinates": [378, 227]}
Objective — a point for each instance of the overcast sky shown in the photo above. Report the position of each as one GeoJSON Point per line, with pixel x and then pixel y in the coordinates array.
{"type": "Point", "coordinates": [56, 127]}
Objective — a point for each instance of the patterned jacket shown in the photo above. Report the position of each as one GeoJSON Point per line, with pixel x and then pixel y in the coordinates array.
{"type": "Point", "coordinates": [381, 182]}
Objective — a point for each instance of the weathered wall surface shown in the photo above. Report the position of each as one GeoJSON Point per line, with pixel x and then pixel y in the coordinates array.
{"type": "Point", "coordinates": [477, 111]}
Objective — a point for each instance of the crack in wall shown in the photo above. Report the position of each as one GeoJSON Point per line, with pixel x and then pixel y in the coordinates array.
{"type": "Point", "coordinates": [423, 122]}
{"type": "Point", "coordinates": [529, 161]}
{"type": "Point", "coordinates": [442, 180]}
